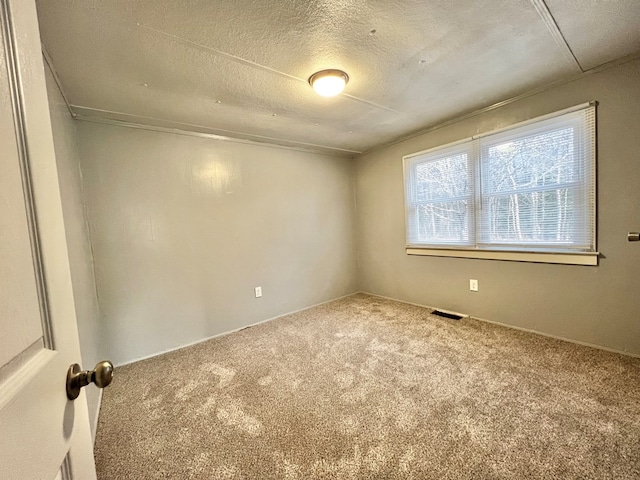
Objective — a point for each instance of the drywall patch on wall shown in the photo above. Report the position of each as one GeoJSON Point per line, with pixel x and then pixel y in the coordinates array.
{"type": "Point", "coordinates": [183, 228]}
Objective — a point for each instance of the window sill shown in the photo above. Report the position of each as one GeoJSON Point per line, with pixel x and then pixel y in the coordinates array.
{"type": "Point", "coordinates": [566, 258]}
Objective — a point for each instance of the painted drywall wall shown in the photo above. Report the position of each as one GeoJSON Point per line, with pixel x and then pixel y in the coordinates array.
{"type": "Point", "coordinates": [597, 305]}
{"type": "Point", "coordinates": [183, 228]}
{"type": "Point", "coordinates": [65, 139]}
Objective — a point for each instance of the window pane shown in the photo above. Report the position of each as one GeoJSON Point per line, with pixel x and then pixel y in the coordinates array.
{"type": "Point", "coordinates": [546, 217]}
{"type": "Point", "coordinates": [446, 177]}
{"type": "Point", "coordinates": [446, 222]}
{"type": "Point", "coordinates": [537, 186]}
{"type": "Point", "coordinates": [531, 187]}
{"type": "Point", "coordinates": [534, 161]}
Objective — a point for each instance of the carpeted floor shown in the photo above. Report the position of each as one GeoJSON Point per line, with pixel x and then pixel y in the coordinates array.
{"type": "Point", "coordinates": [370, 388]}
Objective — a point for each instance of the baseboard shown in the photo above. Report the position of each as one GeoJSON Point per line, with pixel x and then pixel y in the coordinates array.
{"type": "Point", "coordinates": [463, 315]}
{"type": "Point", "coordinates": [95, 419]}
{"type": "Point", "coordinates": [196, 342]}
{"type": "Point", "coordinates": [557, 337]}
{"type": "Point", "coordinates": [514, 327]}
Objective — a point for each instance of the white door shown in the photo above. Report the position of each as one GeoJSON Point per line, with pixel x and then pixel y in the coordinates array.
{"type": "Point", "coordinates": [43, 435]}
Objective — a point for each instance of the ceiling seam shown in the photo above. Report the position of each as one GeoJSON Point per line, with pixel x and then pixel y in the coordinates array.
{"type": "Point", "coordinates": [56, 78]}
{"type": "Point", "coordinates": [373, 104]}
{"type": "Point", "coordinates": [542, 7]}
{"type": "Point", "coordinates": [502, 103]}
{"type": "Point", "coordinates": [338, 151]}
{"type": "Point", "coordinates": [235, 58]}
{"type": "Point", "coordinates": [189, 129]}
{"type": "Point", "coordinates": [548, 19]}
{"type": "Point", "coordinates": [250, 63]}
{"type": "Point", "coordinates": [215, 51]}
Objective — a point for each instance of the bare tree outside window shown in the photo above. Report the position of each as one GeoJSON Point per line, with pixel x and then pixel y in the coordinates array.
{"type": "Point", "coordinates": [531, 186]}
{"type": "Point", "coordinates": [529, 189]}
{"type": "Point", "coordinates": [442, 199]}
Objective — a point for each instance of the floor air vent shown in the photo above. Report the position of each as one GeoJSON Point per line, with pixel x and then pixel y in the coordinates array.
{"type": "Point", "coordinates": [452, 316]}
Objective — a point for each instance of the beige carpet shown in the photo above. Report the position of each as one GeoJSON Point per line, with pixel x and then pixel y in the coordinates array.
{"type": "Point", "coordinates": [369, 388]}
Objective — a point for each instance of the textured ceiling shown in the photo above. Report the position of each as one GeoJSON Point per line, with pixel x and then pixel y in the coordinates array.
{"type": "Point", "coordinates": [240, 67]}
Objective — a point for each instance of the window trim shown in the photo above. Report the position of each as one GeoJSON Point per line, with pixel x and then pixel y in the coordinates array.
{"type": "Point", "coordinates": [522, 254]}
{"type": "Point", "coordinates": [565, 258]}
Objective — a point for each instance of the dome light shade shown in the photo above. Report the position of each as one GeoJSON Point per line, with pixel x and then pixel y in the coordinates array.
{"type": "Point", "coordinates": [328, 83]}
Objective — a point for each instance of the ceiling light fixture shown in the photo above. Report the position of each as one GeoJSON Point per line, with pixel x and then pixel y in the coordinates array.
{"type": "Point", "coordinates": [328, 83]}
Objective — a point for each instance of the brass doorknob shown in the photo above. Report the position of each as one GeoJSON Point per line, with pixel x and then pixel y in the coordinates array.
{"type": "Point", "coordinates": [76, 379]}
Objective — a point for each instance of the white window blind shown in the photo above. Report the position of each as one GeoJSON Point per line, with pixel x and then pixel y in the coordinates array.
{"type": "Point", "coordinates": [441, 197]}
{"type": "Point", "coordinates": [528, 188]}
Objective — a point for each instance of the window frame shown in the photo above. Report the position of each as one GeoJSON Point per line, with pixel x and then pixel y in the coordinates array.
{"type": "Point", "coordinates": [446, 150]}
{"type": "Point", "coordinates": [513, 251]}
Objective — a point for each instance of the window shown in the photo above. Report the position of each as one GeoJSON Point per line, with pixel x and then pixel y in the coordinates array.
{"type": "Point", "coordinates": [528, 188]}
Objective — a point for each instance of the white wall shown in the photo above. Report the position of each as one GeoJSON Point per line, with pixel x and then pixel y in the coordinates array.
{"type": "Point", "coordinates": [65, 137]}
{"type": "Point", "coordinates": [183, 228]}
{"type": "Point", "coordinates": [597, 305]}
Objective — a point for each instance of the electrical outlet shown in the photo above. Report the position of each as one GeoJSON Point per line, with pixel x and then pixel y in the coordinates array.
{"type": "Point", "coordinates": [258, 292]}
{"type": "Point", "coordinates": [473, 285]}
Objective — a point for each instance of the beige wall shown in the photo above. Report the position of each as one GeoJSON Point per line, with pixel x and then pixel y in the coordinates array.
{"type": "Point", "coordinates": [597, 305]}
{"type": "Point", "coordinates": [65, 138]}
{"type": "Point", "coordinates": [183, 228]}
